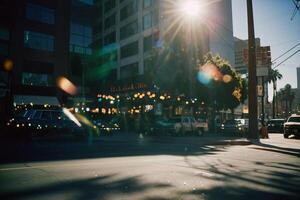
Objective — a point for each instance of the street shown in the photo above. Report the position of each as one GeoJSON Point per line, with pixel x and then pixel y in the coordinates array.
{"type": "Point", "coordinates": [148, 169]}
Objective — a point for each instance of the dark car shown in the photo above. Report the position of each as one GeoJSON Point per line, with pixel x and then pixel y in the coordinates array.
{"type": "Point", "coordinates": [235, 126]}
{"type": "Point", "coordinates": [42, 122]}
{"type": "Point", "coordinates": [275, 125]}
{"type": "Point", "coordinates": [292, 126]}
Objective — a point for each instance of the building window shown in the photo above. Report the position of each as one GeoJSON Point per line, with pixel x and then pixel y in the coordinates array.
{"type": "Point", "coordinates": [80, 38]}
{"type": "Point", "coordinates": [110, 57]}
{"type": "Point", "coordinates": [128, 10]}
{"type": "Point", "coordinates": [130, 50]}
{"type": "Point", "coordinates": [110, 21]}
{"type": "Point", "coordinates": [130, 70]}
{"type": "Point", "coordinates": [148, 64]}
{"type": "Point", "coordinates": [4, 34]}
{"type": "Point", "coordinates": [128, 30]}
{"type": "Point", "coordinates": [40, 41]}
{"type": "Point", "coordinates": [148, 43]}
{"type": "Point", "coordinates": [147, 21]}
{"type": "Point", "coordinates": [109, 5]}
{"type": "Point", "coordinates": [97, 28]}
{"type": "Point", "coordinates": [38, 67]}
{"type": "Point", "coordinates": [110, 38]}
{"type": "Point", "coordinates": [147, 3]}
{"type": "Point", "coordinates": [36, 79]}
{"type": "Point", "coordinates": [40, 13]}
{"type": "Point", "coordinates": [150, 20]}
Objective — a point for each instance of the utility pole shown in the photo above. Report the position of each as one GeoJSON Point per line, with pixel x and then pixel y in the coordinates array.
{"type": "Point", "coordinates": [252, 82]}
{"type": "Point", "coordinates": [263, 101]}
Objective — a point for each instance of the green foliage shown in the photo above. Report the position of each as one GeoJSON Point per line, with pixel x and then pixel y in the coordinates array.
{"type": "Point", "coordinates": [174, 76]}
{"type": "Point", "coordinates": [274, 75]}
{"type": "Point", "coordinates": [227, 88]}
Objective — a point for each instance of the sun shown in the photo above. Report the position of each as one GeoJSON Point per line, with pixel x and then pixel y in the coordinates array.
{"type": "Point", "coordinates": [190, 8]}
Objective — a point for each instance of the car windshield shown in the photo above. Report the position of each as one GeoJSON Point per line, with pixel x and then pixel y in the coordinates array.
{"type": "Point", "coordinates": [294, 119]}
{"type": "Point", "coordinates": [231, 122]}
{"type": "Point", "coordinates": [276, 122]}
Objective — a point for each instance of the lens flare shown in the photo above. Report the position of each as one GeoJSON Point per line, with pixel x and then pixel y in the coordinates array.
{"type": "Point", "coordinates": [203, 78]}
{"type": "Point", "coordinates": [227, 78]}
{"type": "Point", "coordinates": [66, 85]}
{"type": "Point", "coordinates": [71, 116]}
{"type": "Point", "coordinates": [8, 65]}
{"type": "Point", "coordinates": [209, 72]}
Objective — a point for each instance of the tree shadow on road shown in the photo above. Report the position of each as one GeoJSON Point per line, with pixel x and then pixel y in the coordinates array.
{"type": "Point", "coordinates": [102, 149]}
{"type": "Point", "coordinates": [102, 187]}
{"type": "Point", "coordinates": [277, 149]}
{"type": "Point", "coordinates": [264, 180]}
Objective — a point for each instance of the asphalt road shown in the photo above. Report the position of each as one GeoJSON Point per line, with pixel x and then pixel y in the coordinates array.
{"type": "Point", "coordinates": [148, 169]}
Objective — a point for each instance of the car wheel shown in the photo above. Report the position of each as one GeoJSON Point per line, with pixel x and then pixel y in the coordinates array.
{"type": "Point", "coordinates": [285, 135]}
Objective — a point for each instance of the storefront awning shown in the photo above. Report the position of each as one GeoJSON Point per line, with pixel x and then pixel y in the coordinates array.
{"type": "Point", "coordinates": [36, 100]}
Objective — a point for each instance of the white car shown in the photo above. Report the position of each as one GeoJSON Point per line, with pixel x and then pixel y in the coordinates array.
{"type": "Point", "coordinates": [292, 126]}
{"type": "Point", "coordinates": [190, 124]}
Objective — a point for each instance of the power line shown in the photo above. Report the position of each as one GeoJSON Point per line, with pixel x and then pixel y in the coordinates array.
{"type": "Point", "coordinates": [297, 8]}
{"type": "Point", "coordinates": [286, 52]}
{"type": "Point", "coordinates": [287, 59]}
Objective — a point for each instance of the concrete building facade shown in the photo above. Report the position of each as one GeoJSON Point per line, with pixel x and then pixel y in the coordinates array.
{"type": "Point", "coordinates": [132, 32]}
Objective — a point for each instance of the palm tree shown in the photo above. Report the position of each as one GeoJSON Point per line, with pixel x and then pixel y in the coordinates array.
{"type": "Point", "coordinates": [273, 77]}
{"type": "Point", "coordinates": [289, 97]}
{"type": "Point", "coordinates": [280, 101]}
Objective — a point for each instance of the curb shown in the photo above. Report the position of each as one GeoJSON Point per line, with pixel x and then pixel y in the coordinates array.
{"type": "Point", "coordinates": [231, 142]}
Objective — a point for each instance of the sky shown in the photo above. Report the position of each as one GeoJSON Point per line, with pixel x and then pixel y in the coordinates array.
{"type": "Point", "coordinates": [274, 27]}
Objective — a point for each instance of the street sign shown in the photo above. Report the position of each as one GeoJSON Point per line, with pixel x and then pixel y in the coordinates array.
{"type": "Point", "coordinates": [260, 90]}
{"type": "Point", "coordinates": [262, 70]}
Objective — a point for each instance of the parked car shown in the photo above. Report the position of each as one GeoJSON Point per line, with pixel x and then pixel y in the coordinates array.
{"type": "Point", "coordinates": [165, 126]}
{"type": "Point", "coordinates": [275, 125]}
{"type": "Point", "coordinates": [292, 126]}
{"type": "Point", "coordinates": [179, 126]}
{"type": "Point", "coordinates": [235, 126]}
{"type": "Point", "coordinates": [188, 124]}
{"type": "Point", "coordinates": [41, 122]}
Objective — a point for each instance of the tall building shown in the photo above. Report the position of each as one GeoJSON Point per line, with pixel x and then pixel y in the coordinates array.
{"type": "Point", "coordinates": [132, 36]}
{"type": "Point", "coordinates": [240, 46]}
{"type": "Point", "coordinates": [82, 19]}
{"type": "Point", "coordinates": [221, 40]}
{"type": "Point", "coordinates": [43, 40]}
{"type": "Point", "coordinates": [37, 42]}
